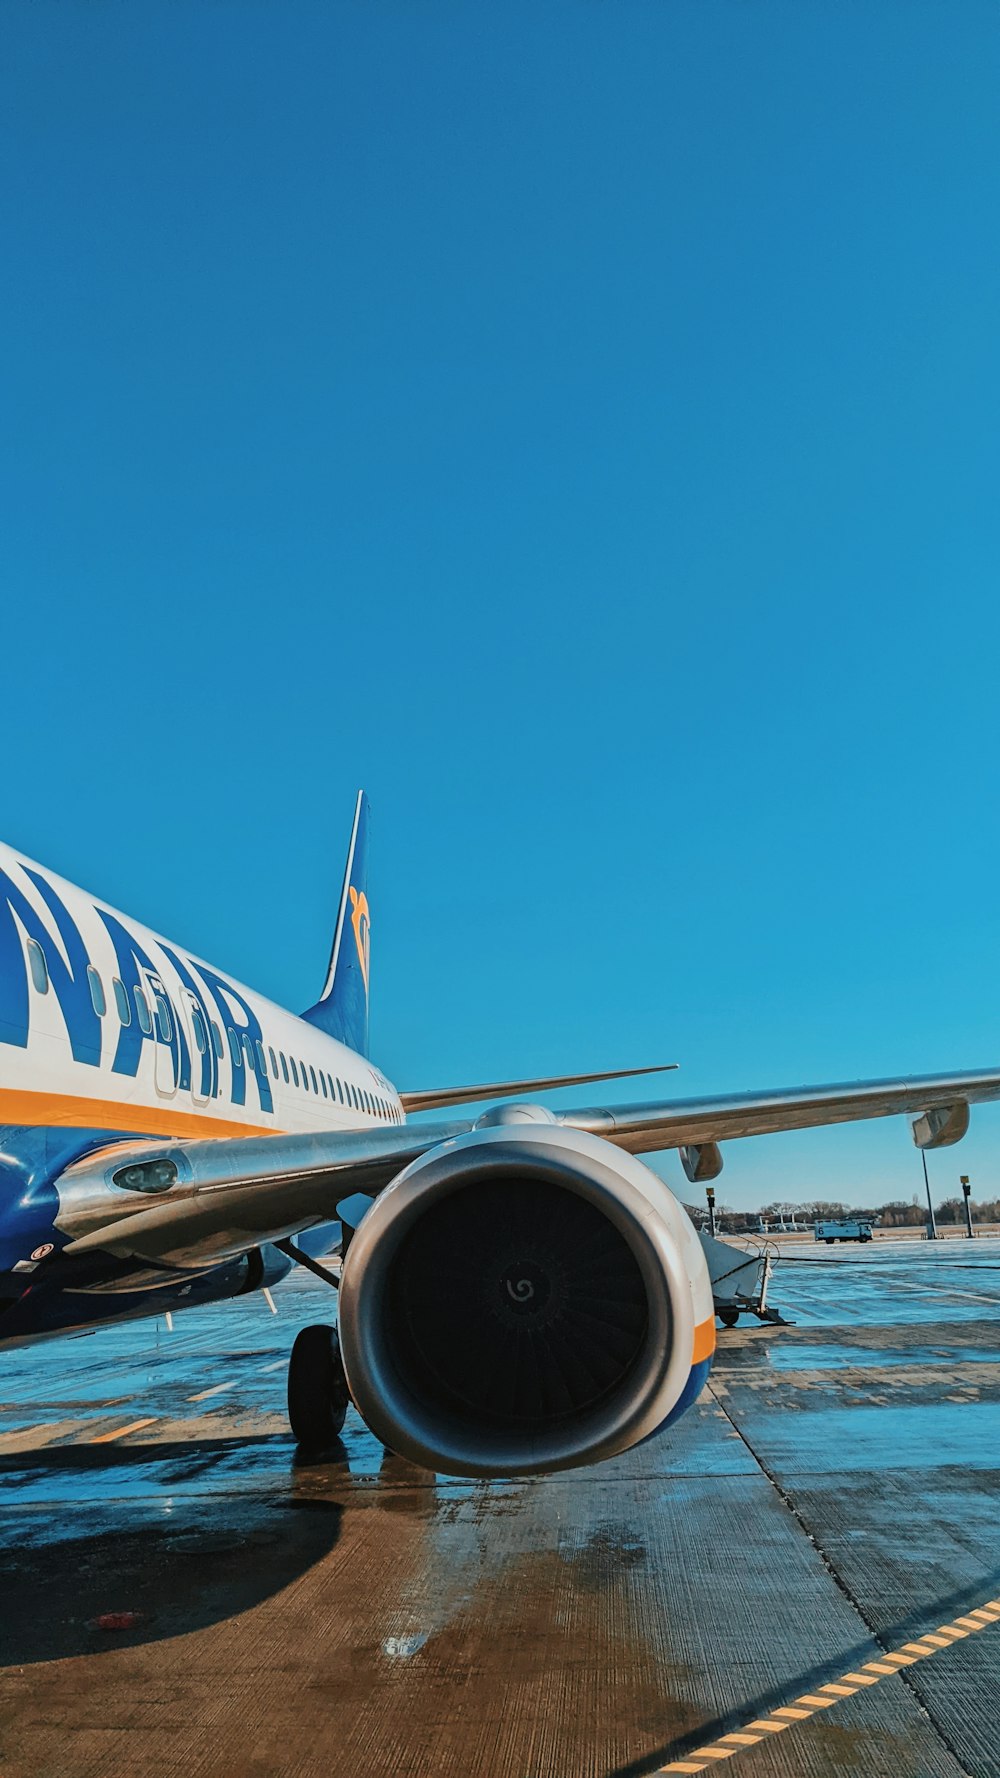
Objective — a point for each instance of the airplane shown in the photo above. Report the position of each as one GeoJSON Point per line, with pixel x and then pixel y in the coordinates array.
{"type": "Point", "coordinates": [518, 1291]}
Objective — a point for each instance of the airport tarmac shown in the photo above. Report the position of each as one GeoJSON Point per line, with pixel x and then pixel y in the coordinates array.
{"type": "Point", "coordinates": [181, 1597]}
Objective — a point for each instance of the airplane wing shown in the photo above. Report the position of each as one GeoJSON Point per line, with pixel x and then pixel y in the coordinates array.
{"type": "Point", "coordinates": [938, 1102]}
{"type": "Point", "coordinates": [216, 1198]}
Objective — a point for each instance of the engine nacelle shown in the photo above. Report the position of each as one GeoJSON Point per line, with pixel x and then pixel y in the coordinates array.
{"type": "Point", "coordinates": [523, 1299]}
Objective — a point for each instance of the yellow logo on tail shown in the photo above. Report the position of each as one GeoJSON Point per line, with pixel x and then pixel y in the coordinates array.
{"type": "Point", "coordinates": [361, 923]}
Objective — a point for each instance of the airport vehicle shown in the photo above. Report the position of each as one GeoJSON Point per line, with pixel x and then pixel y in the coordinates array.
{"type": "Point", "coordinates": [844, 1228]}
{"type": "Point", "coordinates": [518, 1292]}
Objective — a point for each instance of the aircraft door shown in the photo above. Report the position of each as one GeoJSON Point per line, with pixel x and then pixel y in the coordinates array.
{"type": "Point", "coordinates": [167, 1036]}
{"type": "Point", "coordinates": [199, 1045]}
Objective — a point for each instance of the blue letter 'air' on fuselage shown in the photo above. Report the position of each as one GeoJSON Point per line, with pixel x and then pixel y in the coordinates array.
{"type": "Point", "coordinates": [136, 971]}
{"type": "Point", "coordinates": [226, 997]}
{"type": "Point", "coordinates": [69, 983]}
{"type": "Point", "coordinates": [209, 1085]}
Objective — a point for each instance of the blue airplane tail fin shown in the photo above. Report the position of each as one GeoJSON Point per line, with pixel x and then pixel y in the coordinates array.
{"type": "Point", "coordinates": [342, 1009]}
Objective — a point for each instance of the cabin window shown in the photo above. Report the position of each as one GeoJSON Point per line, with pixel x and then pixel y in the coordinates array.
{"type": "Point", "coordinates": [249, 1053]}
{"type": "Point", "coordinates": [235, 1048]}
{"type": "Point", "coordinates": [274, 1061]}
{"type": "Point", "coordinates": [295, 1072]}
{"type": "Point", "coordinates": [312, 1076]}
{"type": "Point", "coordinates": [284, 1065]}
{"type": "Point", "coordinates": [305, 1075]}
{"type": "Point", "coordinates": [200, 1034]}
{"type": "Point", "coordinates": [121, 1001]}
{"type": "Point", "coordinates": [97, 992]}
{"type": "Point", "coordinates": [260, 1058]}
{"type": "Point", "coordinates": [217, 1040]}
{"type": "Point", "coordinates": [163, 1021]}
{"type": "Point", "coordinates": [329, 1082]}
{"type": "Point", "coordinates": [142, 1010]}
{"type": "Point", "coordinates": [322, 1082]}
{"type": "Point", "coordinates": [38, 966]}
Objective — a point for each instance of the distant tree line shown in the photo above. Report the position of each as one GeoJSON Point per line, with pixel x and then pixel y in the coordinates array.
{"type": "Point", "coordinates": [893, 1215]}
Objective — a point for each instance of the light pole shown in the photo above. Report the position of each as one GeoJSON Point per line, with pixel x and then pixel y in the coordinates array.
{"type": "Point", "coordinates": [710, 1195]}
{"type": "Point", "coordinates": [931, 1224]}
{"type": "Point", "coordinates": [966, 1189]}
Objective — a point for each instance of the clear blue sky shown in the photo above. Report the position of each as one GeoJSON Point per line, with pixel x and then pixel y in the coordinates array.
{"type": "Point", "coordinates": [575, 422]}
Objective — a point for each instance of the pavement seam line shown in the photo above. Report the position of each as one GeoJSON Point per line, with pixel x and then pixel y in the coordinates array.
{"type": "Point", "coordinates": [786, 1716]}
{"type": "Point", "coordinates": [838, 1579]}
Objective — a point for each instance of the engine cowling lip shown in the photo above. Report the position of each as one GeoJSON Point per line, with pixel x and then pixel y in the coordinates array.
{"type": "Point", "coordinates": [626, 1193]}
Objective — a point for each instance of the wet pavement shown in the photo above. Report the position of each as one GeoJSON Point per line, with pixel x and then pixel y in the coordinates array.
{"type": "Point", "coordinates": [180, 1596]}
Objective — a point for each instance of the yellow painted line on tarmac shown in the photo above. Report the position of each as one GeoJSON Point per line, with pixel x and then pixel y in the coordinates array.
{"type": "Point", "coordinates": [272, 1367]}
{"type": "Point", "coordinates": [787, 1716]}
{"type": "Point", "coordinates": [217, 1390]}
{"type": "Point", "coordinates": [105, 1438]}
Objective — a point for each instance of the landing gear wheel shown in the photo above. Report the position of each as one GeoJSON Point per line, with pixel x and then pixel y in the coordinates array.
{"type": "Point", "coordinates": [318, 1397]}
{"type": "Point", "coordinates": [729, 1317]}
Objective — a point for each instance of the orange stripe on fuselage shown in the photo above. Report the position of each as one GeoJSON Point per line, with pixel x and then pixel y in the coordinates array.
{"type": "Point", "coordinates": [704, 1341]}
{"type": "Point", "coordinates": [68, 1112]}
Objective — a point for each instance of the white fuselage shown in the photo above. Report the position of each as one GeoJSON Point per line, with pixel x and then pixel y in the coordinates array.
{"type": "Point", "coordinates": [106, 1025]}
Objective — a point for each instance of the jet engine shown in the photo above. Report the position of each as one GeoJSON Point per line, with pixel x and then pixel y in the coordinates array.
{"type": "Point", "coordinates": [523, 1298]}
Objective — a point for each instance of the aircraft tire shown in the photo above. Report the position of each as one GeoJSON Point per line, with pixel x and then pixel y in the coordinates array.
{"type": "Point", "coordinates": [729, 1317]}
{"type": "Point", "coordinates": [318, 1397]}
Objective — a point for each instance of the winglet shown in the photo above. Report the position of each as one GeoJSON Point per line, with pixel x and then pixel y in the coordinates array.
{"type": "Point", "coordinates": [342, 1009]}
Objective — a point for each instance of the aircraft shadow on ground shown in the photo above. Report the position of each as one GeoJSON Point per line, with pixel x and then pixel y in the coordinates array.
{"type": "Point", "coordinates": [165, 1564]}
